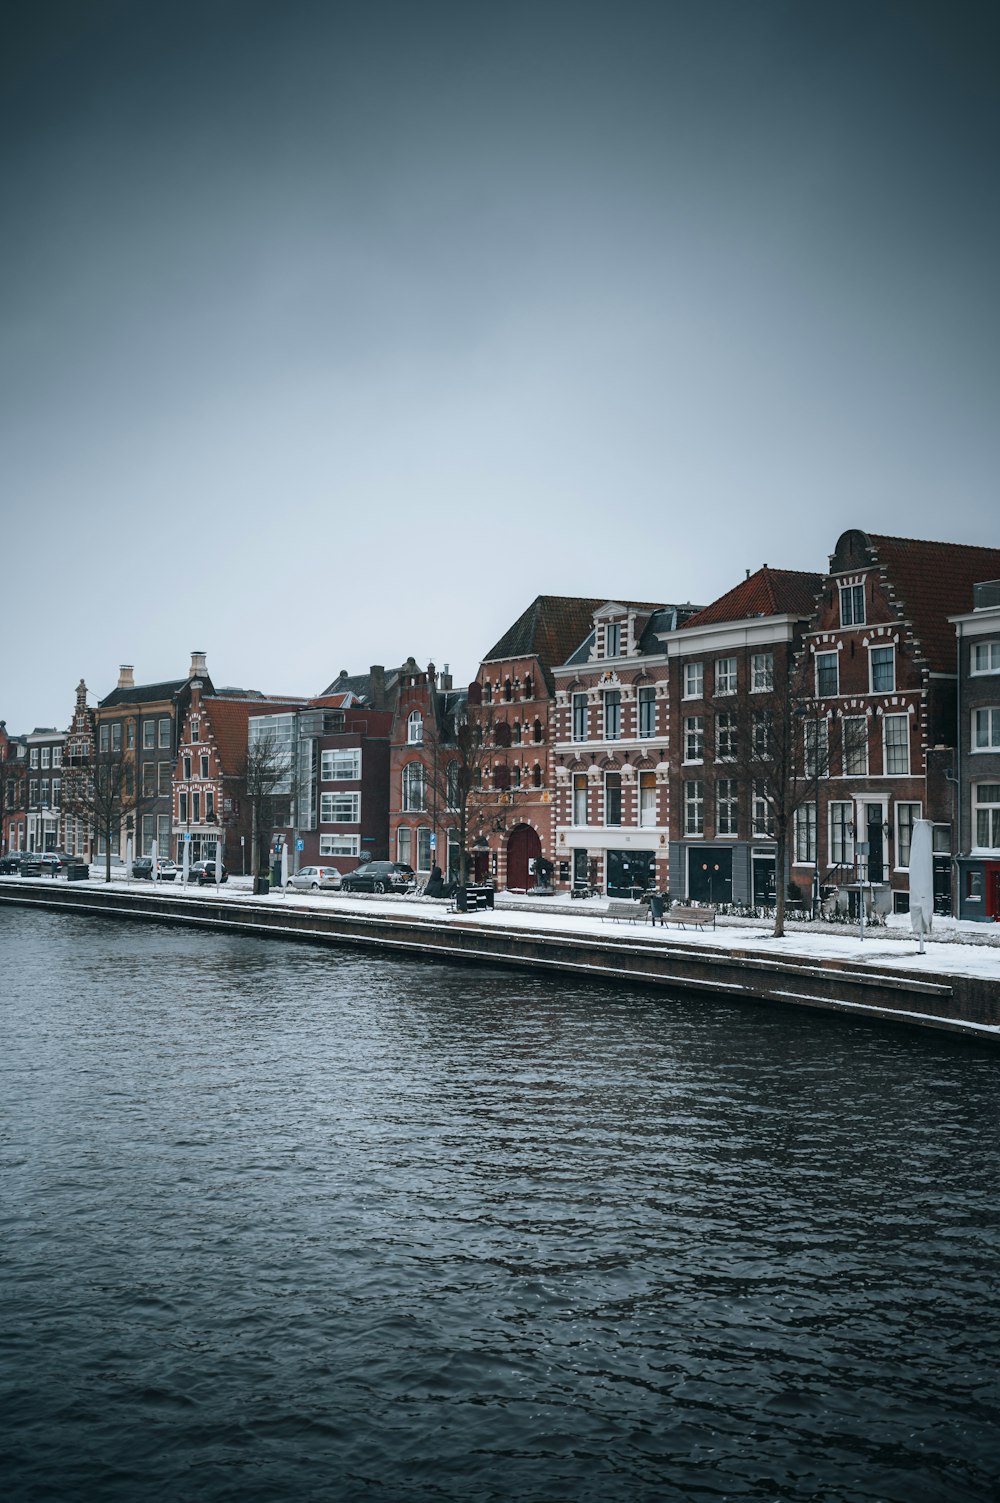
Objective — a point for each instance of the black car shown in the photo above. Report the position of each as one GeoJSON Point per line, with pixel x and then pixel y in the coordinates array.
{"type": "Point", "coordinates": [10, 864]}
{"type": "Point", "coordinates": [142, 866]}
{"type": "Point", "coordinates": [203, 872]}
{"type": "Point", "coordinates": [379, 876]}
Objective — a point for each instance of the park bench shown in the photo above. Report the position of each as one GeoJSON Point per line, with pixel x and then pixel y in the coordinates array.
{"type": "Point", "coordinates": [697, 918]}
{"type": "Point", "coordinates": [624, 910]}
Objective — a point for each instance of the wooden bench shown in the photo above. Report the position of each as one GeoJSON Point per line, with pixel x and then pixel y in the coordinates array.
{"type": "Point", "coordinates": [698, 918]}
{"type": "Point", "coordinates": [620, 909]}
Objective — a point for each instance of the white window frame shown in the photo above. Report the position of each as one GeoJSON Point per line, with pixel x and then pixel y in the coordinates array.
{"type": "Point", "coordinates": [613, 782]}
{"type": "Point", "coordinates": [840, 832]}
{"type": "Point", "coordinates": [991, 809]}
{"type": "Point", "coordinates": [613, 639]}
{"type": "Point", "coordinates": [340, 808]}
{"type": "Point", "coordinates": [340, 845]}
{"type": "Point", "coordinates": [163, 733]}
{"type": "Point", "coordinates": [694, 739]}
{"type": "Point", "coordinates": [647, 799]}
{"type": "Point", "coordinates": [761, 672]}
{"type": "Point", "coordinates": [149, 735]}
{"type": "Point", "coordinates": [404, 845]}
{"type": "Point", "coordinates": [726, 676]}
{"type": "Point", "coordinates": [805, 835]}
{"type": "Point", "coordinates": [827, 693]}
{"type": "Point", "coordinates": [415, 728]}
{"type": "Point", "coordinates": [987, 716]}
{"type": "Point", "coordinates": [725, 734]}
{"type": "Point", "coordinates": [414, 788]}
{"type": "Point", "coordinates": [815, 748]}
{"type": "Point", "coordinates": [694, 681]}
{"type": "Point", "coordinates": [895, 720]}
{"type": "Point", "coordinates": [858, 748]}
{"type": "Point", "coordinates": [334, 761]}
{"type": "Point", "coordinates": [645, 700]}
{"type": "Point", "coordinates": [991, 648]}
{"type": "Point", "coordinates": [694, 807]}
{"type": "Point", "coordinates": [761, 812]}
{"type": "Point", "coordinates": [855, 594]}
{"type": "Point", "coordinates": [579, 717]}
{"type": "Point", "coordinates": [873, 650]}
{"type": "Point", "coordinates": [581, 799]}
{"type": "Point", "coordinates": [900, 825]}
{"type": "Point", "coordinates": [727, 807]}
{"type": "Point", "coordinates": [612, 697]}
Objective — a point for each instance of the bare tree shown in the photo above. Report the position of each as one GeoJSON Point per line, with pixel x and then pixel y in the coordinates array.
{"type": "Point", "coordinates": [469, 781]}
{"type": "Point", "coordinates": [101, 787]}
{"type": "Point", "coordinates": [776, 746]}
{"type": "Point", "coordinates": [265, 782]}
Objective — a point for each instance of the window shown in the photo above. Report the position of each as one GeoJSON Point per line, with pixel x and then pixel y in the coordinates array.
{"type": "Point", "coordinates": [32, 792]}
{"type": "Point", "coordinates": [612, 640]}
{"type": "Point", "coordinates": [529, 686]}
{"type": "Point", "coordinates": [487, 693]}
{"type": "Point", "coordinates": [694, 807]}
{"type": "Point", "coordinates": [116, 737]}
{"type": "Point", "coordinates": [196, 808]}
{"type": "Point", "coordinates": [727, 807]}
{"type": "Point", "coordinates": [341, 765]}
{"type": "Point", "coordinates": [148, 833]}
{"type": "Point", "coordinates": [905, 815]}
{"type": "Point", "coordinates": [536, 731]}
{"type": "Point", "coordinates": [986, 729]}
{"type": "Point", "coordinates": [725, 738]}
{"type": "Point", "coordinates": [612, 798]}
{"type": "Point", "coordinates": [187, 769]}
{"type": "Point", "coordinates": [842, 832]}
{"type": "Point", "coordinates": [762, 813]}
{"type": "Point", "coordinates": [45, 791]}
{"type": "Point", "coordinates": [260, 733]}
{"type": "Point", "coordinates": [404, 846]}
{"type": "Point", "coordinates": [149, 735]}
{"type": "Point", "coordinates": [854, 730]}
{"type": "Point", "coordinates": [47, 755]}
{"type": "Point", "coordinates": [165, 773]}
{"type": "Point", "coordinates": [579, 717]}
{"type": "Point", "coordinates": [56, 792]}
{"type": "Point", "coordinates": [883, 669]}
{"type": "Point", "coordinates": [805, 834]}
{"type": "Point", "coordinates": [339, 808]}
{"type": "Point", "coordinates": [827, 675]}
{"type": "Point", "coordinates": [415, 728]}
{"type": "Point", "coordinates": [452, 787]}
{"type": "Point", "coordinates": [203, 770]}
{"type": "Point", "coordinates": [762, 731]}
{"type": "Point", "coordinates": [340, 845]}
{"type": "Point", "coordinates": [105, 744]}
{"type": "Point", "coordinates": [612, 714]}
{"type": "Point", "coordinates": [896, 733]}
{"type": "Point", "coordinates": [165, 733]}
{"type": "Point", "coordinates": [694, 738]}
{"type": "Point", "coordinates": [414, 787]}
{"type": "Point", "coordinates": [536, 775]}
{"type": "Point", "coordinates": [647, 710]}
{"type": "Point", "coordinates": [580, 798]}
{"type": "Point", "coordinates": [130, 735]}
{"type": "Point", "coordinates": [694, 680]}
{"type": "Point", "coordinates": [182, 808]}
{"type": "Point", "coordinates": [149, 780]}
{"type": "Point", "coordinates": [508, 692]}
{"type": "Point", "coordinates": [515, 733]}
{"type": "Point", "coordinates": [762, 672]}
{"type": "Point", "coordinates": [852, 605]}
{"type": "Point", "coordinates": [816, 758]}
{"type": "Point", "coordinates": [34, 749]}
{"type": "Point", "coordinates": [57, 756]}
{"type": "Point", "coordinates": [725, 675]}
{"type": "Point", "coordinates": [986, 806]}
{"type": "Point", "coordinates": [647, 798]}
{"type": "Point", "coordinates": [986, 657]}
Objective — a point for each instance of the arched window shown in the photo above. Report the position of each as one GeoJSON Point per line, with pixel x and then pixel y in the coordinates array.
{"type": "Point", "coordinates": [414, 787]}
{"type": "Point", "coordinates": [415, 728]}
{"type": "Point", "coordinates": [487, 693]}
{"type": "Point", "coordinates": [502, 733]}
{"type": "Point", "coordinates": [501, 776]}
{"type": "Point", "coordinates": [537, 730]}
{"type": "Point", "coordinates": [529, 686]}
{"type": "Point", "coordinates": [517, 733]}
{"type": "Point", "coordinates": [508, 692]}
{"type": "Point", "coordinates": [537, 775]}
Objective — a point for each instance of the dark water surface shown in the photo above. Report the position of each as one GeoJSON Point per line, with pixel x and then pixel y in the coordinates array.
{"type": "Point", "coordinates": [279, 1222]}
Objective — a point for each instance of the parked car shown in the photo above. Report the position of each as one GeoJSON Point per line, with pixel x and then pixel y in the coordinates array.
{"type": "Point", "coordinates": [10, 864]}
{"type": "Point", "coordinates": [143, 867]}
{"type": "Point", "coordinates": [379, 876]}
{"type": "Point", "coordinates": [50, 861]}
{"type": "Point", "coordinates": [204, 871]}
{"type": "Point", "coordinates": [308, 877]}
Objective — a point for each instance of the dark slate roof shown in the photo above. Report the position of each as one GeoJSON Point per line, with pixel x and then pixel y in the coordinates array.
{"type": "Point", "coordinates": [141, 694]}
{"type": "Point", "coordinates": [551, 627]}
{"type": "Point", "coordinates": [582, 653]}
{"type": "Point", "coordinates": [769, 592]}
{"type": "Point", "coordinates": [668, 618]}
{"type": "Point", "coordinates": [360, 684]}
{"type": "Point", "coordinates": [932, 581]}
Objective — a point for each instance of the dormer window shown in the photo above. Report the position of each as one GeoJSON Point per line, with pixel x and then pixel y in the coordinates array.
{"type": "Point", "coordinates": [415, 728]}
{"type": "Point", "coordinates": [852, 605]}
{"type": "Point", "coordinates": [612, 639]}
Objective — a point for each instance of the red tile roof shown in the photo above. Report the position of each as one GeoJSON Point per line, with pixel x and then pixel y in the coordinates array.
{"type": "Point", "coordinates": [933, 581]}
{"type": "Point", "coordinates": [229, 719]}
{"type": "Point", "coordinates": [769, 592]}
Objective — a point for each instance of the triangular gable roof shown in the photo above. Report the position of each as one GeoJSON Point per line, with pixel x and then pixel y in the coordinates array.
{"type": "Point", "coordinates": [932, 581]}
{"type": "Point", "coordinates": [140, 694]}
{"type": "Point", "coordinates": [769, 592]}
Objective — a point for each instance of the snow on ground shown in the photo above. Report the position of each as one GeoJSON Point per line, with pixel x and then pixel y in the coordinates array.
{"type": "Point", "coordinates": [956, 948]}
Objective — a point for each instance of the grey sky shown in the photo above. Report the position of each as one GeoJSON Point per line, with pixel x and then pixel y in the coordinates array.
{"type": "Point", "coordinates": [332, 333]}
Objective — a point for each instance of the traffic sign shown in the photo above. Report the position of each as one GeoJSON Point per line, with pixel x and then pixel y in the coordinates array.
{"type": "Point", "coordinates": [434, 842]}
{"type": "Point", "coordinates": [300, 845]}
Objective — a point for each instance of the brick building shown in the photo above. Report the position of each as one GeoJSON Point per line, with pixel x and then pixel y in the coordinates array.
{"type": "Point", "coordinates": [13, 791]}
{"type": "Point", "coordinates": [727, 662]}
{"type": "Point", "coordinates": [882, 649]}
{"type": "Point", "coordinates": [423, 829]}
{"type": "Point", "coordinates": [44, 803]}
{"type": "Point", "coordinates": [78, 832]}
{"type": "Point", "coordinates": [611, 745]}
{"type": "Point", "coordinates": [977, 761]}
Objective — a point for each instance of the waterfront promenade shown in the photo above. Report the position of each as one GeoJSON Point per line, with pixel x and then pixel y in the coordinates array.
{"type": "Point", "coordinates": [954, 985]}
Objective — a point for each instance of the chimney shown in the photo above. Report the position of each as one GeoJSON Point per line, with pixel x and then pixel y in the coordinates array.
{"type": "Point", "coordinates": [446, 678]}
{"type": "Point", "coordinates": [126, 678]}
{"type": "Point", "coordinates": [198, 668]}
{"type": "Point", "coordinates": [376, 674]}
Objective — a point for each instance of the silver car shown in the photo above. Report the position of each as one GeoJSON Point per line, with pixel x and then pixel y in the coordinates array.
{"type": "Point", "coordinates": [308, 878]}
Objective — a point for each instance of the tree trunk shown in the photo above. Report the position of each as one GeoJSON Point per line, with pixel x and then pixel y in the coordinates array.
{"type": "Point", "coordinates": [780, 879]}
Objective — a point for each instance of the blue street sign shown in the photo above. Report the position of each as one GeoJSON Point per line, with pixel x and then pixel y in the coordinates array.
{"type": "Point", "coordinates": [434, 841]}
{"type": "Point", "coordinates": [300, 845]}
{"type": "Point", "coordinates": [187, 834]}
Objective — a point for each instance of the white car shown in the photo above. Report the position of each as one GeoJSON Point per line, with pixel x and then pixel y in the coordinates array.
{"type": "Point", "coordinates": [309, 877]}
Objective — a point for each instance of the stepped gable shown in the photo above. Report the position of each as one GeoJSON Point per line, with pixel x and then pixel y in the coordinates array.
{"type": "Point", "coordinates": [769, 592]}
{"type": "Point", "coordinates": [929, 582]}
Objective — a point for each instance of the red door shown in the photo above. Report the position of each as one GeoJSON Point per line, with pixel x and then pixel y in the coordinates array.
{"type": "Point", "coordinates": [523, 847]}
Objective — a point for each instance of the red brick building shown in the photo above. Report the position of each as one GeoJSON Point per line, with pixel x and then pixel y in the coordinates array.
{"type": "Point", "coordinates": [13, 791]}
{"type": "Point", "coordinates": [883, 655]}
{"type": "Point", "coordinates": [423, 830]}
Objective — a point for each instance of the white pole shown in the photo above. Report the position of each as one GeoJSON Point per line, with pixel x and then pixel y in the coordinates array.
{"type": "Point", "coordinates": [128, 859]}
{"type": "Point", "coordinates": [218, 860]}
{"type": "Point", "coordinates": [154, 870]}
{"type": "Point", "coordinates": [284, 865]}
{"type": "Point", "coordinates": [186, 861]}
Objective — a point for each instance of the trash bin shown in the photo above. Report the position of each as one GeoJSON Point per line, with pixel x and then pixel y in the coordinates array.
{"type": "Point", "coordinates": [261, 886]}
{"type": "Point", "coordinates": [77, 871]}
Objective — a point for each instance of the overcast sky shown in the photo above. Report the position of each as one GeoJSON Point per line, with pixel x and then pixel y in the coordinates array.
{"type": "Point", "coordinates": [333, 333]}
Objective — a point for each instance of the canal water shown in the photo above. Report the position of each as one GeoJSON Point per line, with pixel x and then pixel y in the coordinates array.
{"type": "Point", "coordinates": [283, 1222]}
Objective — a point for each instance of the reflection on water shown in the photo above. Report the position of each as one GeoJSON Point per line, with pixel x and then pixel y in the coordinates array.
{"type": "Point", "coordinates": [285, 1222]}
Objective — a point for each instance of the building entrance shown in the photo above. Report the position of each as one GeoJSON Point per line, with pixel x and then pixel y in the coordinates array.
{"type": "Point", "coordinates": [523, 850]}
{"type": "Point", "coordinates": [710, 875]}
{"type": "Point", "coordinates": [630, 873]}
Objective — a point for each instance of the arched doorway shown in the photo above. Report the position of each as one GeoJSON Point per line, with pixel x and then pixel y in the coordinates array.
{"type": "Point", "coordinates": [523, 850]}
